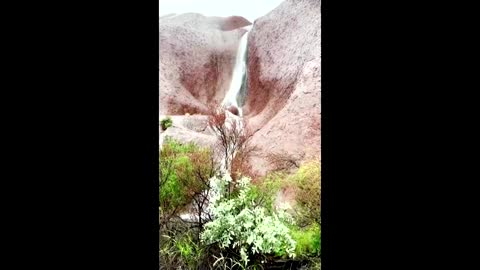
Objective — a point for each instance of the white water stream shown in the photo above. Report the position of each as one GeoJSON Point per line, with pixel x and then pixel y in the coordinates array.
{"type": "Point", "coordinates": [237, 90]}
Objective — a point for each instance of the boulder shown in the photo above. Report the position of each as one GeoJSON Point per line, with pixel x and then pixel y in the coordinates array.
{"type": "Point", "coordinates": [283, 101]}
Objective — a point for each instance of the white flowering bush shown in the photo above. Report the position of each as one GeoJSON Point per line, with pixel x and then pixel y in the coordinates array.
{"type": "Point", "coordinates": [240, 224]}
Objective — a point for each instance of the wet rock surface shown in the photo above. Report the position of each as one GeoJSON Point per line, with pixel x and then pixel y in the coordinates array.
{"type": "Point", "coordinates": [283, 101]}
{"type": "Point", "coordinates": [282, 106]}
{"type": "Point", "coordinates": [197, 54]}
{"type": "Point", "coordinates": [186, 129]}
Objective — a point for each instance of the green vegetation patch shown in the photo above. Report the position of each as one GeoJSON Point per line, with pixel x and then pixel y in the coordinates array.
{"type": "Point", "coordinates": [166, 123]}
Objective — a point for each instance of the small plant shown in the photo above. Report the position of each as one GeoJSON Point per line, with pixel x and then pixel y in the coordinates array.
{"type": "Point", "coordinates": [166, 123]}
{"type": "Point", "coordinates": [190, 252]}
{"type": "Point", "coordinates": [179, 250]}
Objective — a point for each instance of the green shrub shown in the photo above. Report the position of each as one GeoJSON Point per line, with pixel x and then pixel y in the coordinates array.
{"type": "Point", "coordinates": [172, 156]}
{"type": "Point", "coordinates": [307, 186]}
{"type": "Point", "coordinates": [166, 123]}
{"type": "Point", "coordinates": [184, 173]}
{"type": "Point", "coordinates": [241, 225]}
{"type": "Point", "coordinates": [308, 240]}
{"type": "Point", "coordinates": [269, 186]}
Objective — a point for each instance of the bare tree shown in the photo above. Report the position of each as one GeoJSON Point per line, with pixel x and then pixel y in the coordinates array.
{"type": "Point", "coordinates": [233, 142]}
{"type": "Point", "coordinates": [241, 163]}
{"type": "Point", "coordinates": [229, 132]}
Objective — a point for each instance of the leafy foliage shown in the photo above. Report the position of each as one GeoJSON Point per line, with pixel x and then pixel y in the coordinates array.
{"type": "Point", "coordinates": [180, 251]}
{"type": "Point", "coordinates": [308, 240]}
{"type": "Point", "coordinates": [269, 186]}
{"type": "Point", "coordinates": [307, 182]}
{"type": "Point", "coordinates": [190, 251]}
{"type": "Point", "coordinates": [240, 224]}
{"type": "Point", "coordinates": [166, 123]}
{"type": "Point", "coordinates": [185, 170]}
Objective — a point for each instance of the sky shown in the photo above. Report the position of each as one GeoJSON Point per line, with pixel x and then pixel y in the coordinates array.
{"type": "Point", "coordinates": [249, 9]}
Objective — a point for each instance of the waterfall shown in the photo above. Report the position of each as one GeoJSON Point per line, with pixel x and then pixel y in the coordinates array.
{"type": "Point", "coordinates": [235, 97]}
{"type": "Point", "coordinates": [236, 93]}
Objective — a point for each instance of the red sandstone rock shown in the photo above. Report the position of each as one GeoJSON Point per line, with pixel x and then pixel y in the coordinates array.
{"type": "Point", "coordinates": [197, 55]}
{"type": "Point", "coordinates": [283, 101]}
{"type": "Point", "coordinates": [233, 110]}
{"type": "Point", "coordinates": [232, 22]}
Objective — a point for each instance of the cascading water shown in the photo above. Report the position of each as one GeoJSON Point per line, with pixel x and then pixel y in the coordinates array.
{"type": "Point", "coordinates": [235, 97]}
{"type": "Point", "coordinates": [236, 93]}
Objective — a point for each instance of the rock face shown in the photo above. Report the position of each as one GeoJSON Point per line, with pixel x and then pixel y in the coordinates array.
{"type": "Point", "coordinates": [186, 129]}
{"type": "Point", "coordinates": [283, 100]}
{"type": "Point", "coordinates": [197, 55]}
{"type": "Point", "coordinates": [233, 110]}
